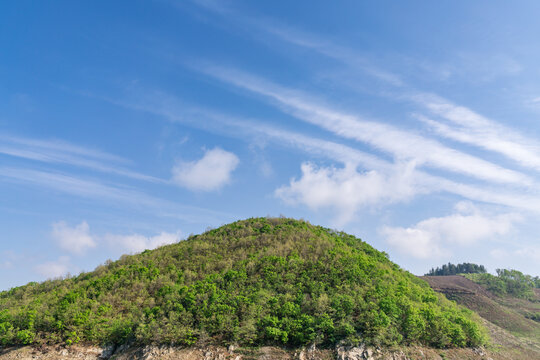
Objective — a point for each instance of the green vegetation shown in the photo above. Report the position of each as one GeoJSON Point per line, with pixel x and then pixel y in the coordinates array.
{"type": "Point", "coordinates": [451, 269]}
{"type": "Point", "coordinates": [253, 282]}
{"type": "Point", "coordinates": [511, 282]}
{"type": "Point", "coordinates": [515, 315]}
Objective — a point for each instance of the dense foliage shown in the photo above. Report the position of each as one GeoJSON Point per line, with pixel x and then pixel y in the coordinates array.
{"type": "Point", "coordinates": [258, 281]}
{"type": "Point", "coordinates": [451, 269]}
{"type": "Point", "coordinates": [511, 282]}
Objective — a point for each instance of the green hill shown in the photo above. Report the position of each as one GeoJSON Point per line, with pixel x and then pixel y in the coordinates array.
{"type": "Point", "coordinates": [254, 282]}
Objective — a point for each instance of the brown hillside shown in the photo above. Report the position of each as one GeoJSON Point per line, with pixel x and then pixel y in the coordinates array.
{"type": "Point", "coordinates": [455, 284]}
{"type": "Point", "coordinates": [507, 313]}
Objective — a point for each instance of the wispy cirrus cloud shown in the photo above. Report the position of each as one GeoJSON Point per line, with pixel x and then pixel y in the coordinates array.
{"type": "Point", "coordinates": [61, 152]}
{"type": "Point", "coordinates": [175, 110]}
{"type": "Point", "coordinates": [401, 144]}
{"type": "Point", "coordinates": [464, 125]}
{"type": "Point", "coordinates": [73, 185]}
{"type": "Point", "coordinates": [61, 147]}
{"type": "Point", "coordinates": [98, 191]}
{"type": "Point", "coordinates": [260, 26]}
{"type": "Point", "coordinates": [468, 126]}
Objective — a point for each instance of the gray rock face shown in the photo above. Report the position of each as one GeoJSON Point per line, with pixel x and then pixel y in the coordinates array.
{"type": "Point", "coordinates": [360, 352]}
{"type": "Point", "coordinates": [363, 352]}
{"type": "Point", "coordinates": [479, 351]}
{"type": "Point", "coordinates": [307, 354]}
{"type": "Point", "coordinates": [171, 352]}
{"type": "Point", "coordinates": [107, 352]}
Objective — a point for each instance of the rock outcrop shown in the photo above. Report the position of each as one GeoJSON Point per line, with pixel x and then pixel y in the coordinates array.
{"type": "Point", "coordinates": [163, 352]}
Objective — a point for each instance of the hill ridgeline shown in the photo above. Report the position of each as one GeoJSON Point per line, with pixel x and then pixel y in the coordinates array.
{"type": "Point", "coordinates": [261, 281]}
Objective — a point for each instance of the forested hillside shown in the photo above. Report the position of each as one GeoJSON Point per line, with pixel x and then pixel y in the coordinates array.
{"type": "Point", "coordinates": [258, 281]}
{"type": "Point", "coordinates": [508, 281]}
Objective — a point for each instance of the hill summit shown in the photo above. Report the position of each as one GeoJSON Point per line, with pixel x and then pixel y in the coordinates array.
{"type": "Point", "coordinates": [261, 281]}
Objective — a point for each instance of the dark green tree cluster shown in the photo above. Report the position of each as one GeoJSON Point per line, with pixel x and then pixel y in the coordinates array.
{"type": "Point", "coordinates": [451, 269]}
{"type": "Point", "coordinates": [258, 281]}
{"type": "Point", "coordinates": [507, 281]}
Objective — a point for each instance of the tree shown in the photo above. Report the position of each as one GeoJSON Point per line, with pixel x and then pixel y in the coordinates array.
{"type": "Point", "coordinates": [451, 269]}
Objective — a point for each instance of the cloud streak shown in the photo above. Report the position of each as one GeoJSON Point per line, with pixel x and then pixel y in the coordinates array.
{"type": "Point", "coordinates": [468, 127]}
{"type": "Point", "coordinates": [172, 109]}
{"type": "Point", "coordinates": [402, 145]}
{"type": "Point", "coordinates": [264, 27]}
{"type": "Point", "coordinates": [59, 152]}
{"type": "Point", "coordinates": [98, 191]}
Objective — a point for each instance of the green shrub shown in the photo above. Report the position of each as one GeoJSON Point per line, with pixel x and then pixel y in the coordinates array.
{"type": "Point", "coordinates": [25, 337]}
{"type": "Point", "coordinates": [510, 282]}
{"type": "Point", "coordinates": [253, 282]}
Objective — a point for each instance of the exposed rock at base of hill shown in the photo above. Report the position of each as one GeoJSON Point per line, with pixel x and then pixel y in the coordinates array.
{"type": "Point", "coordinates": [341, 352]}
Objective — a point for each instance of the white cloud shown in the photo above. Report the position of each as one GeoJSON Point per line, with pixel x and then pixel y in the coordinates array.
{"type": "Point", "coordinates": [431, 236]}
{"type": "Point", "coordinates": [56, 151]}
{"type": "Point", "coordinates": [88, 188]}
{"type": "Point", "coordinates": [413, 241]}
{"type": "Point", "coordinates": [488, 135]}
{"type": "Point", "coordinates": [136, 243]}
{"type": "Point", "coordinates": [115, 194]}
{"type": "Point", "coordinates": [209, 173]}
{"type": "Point", "coordinates": [249, 128]}
{"type": "Point", "coordinates": [525, 252]}
{"type": "Point", "coordinates": [471, 128]}
{"type": "Point", "coordinates": [530, 252]}
{"type": "Point", "coordinates": [175, 111]}
{"type": "Point", "coordinates": [76, 239]}
{"type": "Point", "coordinates": [60, 147]}
{"type": "Point", "coordinates": [53, 269]}
{"type": "Point", "coordinates": [476, 130]}
{"type": "Point", "coordinates": [260, 26]}
{"type": "Point", "coordinates": [401, 144]}
{"type": "Point", "coordinates": [346, 190]}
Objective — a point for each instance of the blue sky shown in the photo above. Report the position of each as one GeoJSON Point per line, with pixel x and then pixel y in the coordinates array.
{"type": "Point", "coordinates": [129, 124]}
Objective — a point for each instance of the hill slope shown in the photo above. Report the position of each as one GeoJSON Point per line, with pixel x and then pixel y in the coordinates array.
{"type": "Point", "coordinates": [502, 314]}
{"type": "Point", "coordinates": [507, 312]}
{"type": "Point", "coordinates": [257, 281]}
